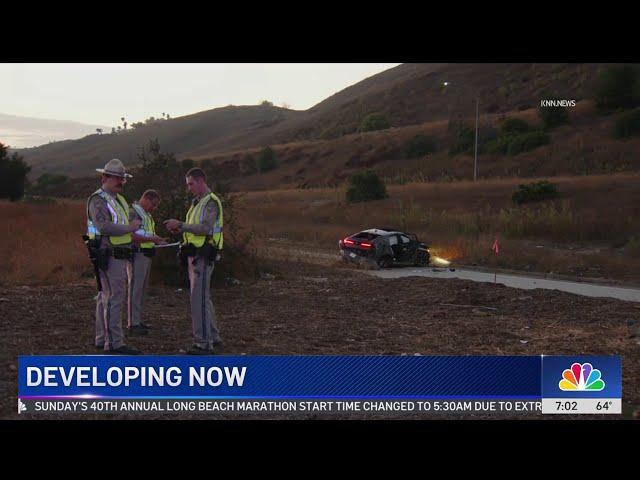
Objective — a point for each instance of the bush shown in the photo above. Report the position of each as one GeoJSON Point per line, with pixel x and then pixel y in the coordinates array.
{"type": "Point", "coordinates": [47, 180]}
{"type": "Point", "coordinates": [515, 143]}
{"type": "Point", "coordinates": [13, 175]}
{"type": "Point", "coordinates": [498, 146]}
{"type": "Point", "coordinates": [553, 117]}
{"type": "Point", "coordinates": [420, 145]}
{"type": "Point", "coordinates": [267, 160]}
{"type": "Point", "coordinates": [366, 186]}
{"type": "Point", "coordinates": [374, 121]}
{"type": "Point", "coordinates": [627, 125]}
{"type": "Point", "coordinates": [464, 139]}
{"type": "Point", "coordinates": [618, 88]}
{"type": "Point", "coordinates": [527, 141]}
{"type": "Point", "coordinates": [514, 126]}
{"type": "Point", "coordinates": [534, 192]}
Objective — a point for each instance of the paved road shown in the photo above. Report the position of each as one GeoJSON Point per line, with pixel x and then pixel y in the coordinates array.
{"type": "Point", "coordinates": [516, 281]}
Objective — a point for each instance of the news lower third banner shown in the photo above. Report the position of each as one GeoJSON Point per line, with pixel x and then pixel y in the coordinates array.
{"type": "Point", "coordinates": [346, 385]}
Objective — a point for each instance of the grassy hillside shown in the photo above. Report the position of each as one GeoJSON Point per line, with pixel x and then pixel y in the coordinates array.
{"type": "Point", "coordinates": [414, 93]}
{"type": "Point", "coordinates": [212, 130]}
{"type": "Point", "coordinates": [410, 94]}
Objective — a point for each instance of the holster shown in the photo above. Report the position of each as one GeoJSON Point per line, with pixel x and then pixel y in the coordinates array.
{"type": "Point", "coordinates": [122, 253]}
{"type": "Point", "coordinates": [99, 258]}
{"type": "Point", "coordinates": [208, 252]}
{"type": "Point", "coordinates": [185, 251]}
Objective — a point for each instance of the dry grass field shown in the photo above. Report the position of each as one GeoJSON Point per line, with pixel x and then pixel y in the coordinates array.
{"type": "Point", "coordinates": [41, 243]}
{"type": "Point", "coordinates": [591, 230]}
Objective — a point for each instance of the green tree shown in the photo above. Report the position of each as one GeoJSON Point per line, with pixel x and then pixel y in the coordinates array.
{"type": "Point", "coordinates": [267, 160]}
{"type": "Point", "coordinates": [366, 186]}
{"type": "Point", "coordinates": [374, 121]}
{"type": "Point", "coordinates": [13, 175]}
{"type": "Point", "coordinates": [162, 172]}
{"type": "Point", "coordinates": [618, 88]}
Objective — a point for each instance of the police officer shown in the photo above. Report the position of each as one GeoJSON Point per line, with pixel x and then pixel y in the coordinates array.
{"type": "Point", "coordinates": [203, 241]}
{"type": "Point", "coordinates": [109, 227]}
{"type": "Point", "coordinates": [139, 270]}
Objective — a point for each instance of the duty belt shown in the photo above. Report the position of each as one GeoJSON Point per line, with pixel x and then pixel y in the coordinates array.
{"type": "Point", "coordinates": [122, 253]}
{"type": "Point", "coordinates": [147, 252]}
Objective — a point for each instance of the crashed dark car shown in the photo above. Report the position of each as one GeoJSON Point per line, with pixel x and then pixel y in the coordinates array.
{"type": "Point", "coordinates": [384, 247]}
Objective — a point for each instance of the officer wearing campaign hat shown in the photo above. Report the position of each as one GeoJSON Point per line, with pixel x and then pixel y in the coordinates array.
{"type": "Point", "coordinates": [109, 232]}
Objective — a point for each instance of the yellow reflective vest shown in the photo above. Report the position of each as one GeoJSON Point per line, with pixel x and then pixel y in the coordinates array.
{"type": "Point", "coordinates": [119, 210]}
{"type": "Point", "coordinates": [148, 227]}
{"type": "Point", "coordinates": [195, 216]}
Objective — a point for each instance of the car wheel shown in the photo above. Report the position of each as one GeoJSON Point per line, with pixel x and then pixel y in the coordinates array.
{"type": "Point", "coordinates": [422, 259]}
{"type": "Point", "coordinates": [385, 262]}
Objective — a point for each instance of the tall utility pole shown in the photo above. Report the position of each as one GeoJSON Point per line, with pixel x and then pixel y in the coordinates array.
{"type": "Point", "coordinates": [475, 156]}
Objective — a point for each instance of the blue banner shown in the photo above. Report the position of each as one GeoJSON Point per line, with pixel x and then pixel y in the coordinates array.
{"type": "Point", "coordinates": [300, 377]}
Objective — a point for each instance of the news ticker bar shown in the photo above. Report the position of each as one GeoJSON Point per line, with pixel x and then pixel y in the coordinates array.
{"type": "Point", "coordinates": [213, 407]}
{"type": "Point", "coordinates": [289, 407]}
{"type": "Point", "coordinates": [441, 383]}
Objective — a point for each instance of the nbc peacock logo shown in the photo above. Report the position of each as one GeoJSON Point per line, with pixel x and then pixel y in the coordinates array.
{"type": "Point", "coordinates": [581, 377]}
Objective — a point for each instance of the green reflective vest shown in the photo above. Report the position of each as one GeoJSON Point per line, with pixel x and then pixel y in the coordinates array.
{"type": "Point", "coordinates": [148, 227]}
{"type": "Point", "coordinates": [195, 216]}
{"type": "Point", "coordinates": [119, 210]}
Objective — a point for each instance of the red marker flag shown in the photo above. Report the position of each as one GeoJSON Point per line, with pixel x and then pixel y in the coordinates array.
{"type": "Point", "coordinates": [496, 246]}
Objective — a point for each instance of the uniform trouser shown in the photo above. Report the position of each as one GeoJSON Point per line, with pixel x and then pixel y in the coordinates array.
{"type": "Point", "coordinates": [109, 304]}
{"type": "Point", "coordinates": [138, 272]}
{"type": "Point", "coordinates": [203, 315]}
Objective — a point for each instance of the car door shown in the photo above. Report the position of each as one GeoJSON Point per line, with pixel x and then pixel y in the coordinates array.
{"type": "Point", "coordinates": [407, 249]}
{"type": "Point", "coordinates": [394, 244]}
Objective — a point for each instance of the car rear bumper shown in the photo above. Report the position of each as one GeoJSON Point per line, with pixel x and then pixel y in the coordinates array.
{"type": "Point", "coordinates": [356, 255]}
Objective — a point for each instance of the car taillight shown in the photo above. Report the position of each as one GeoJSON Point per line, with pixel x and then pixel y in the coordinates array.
{"type": "Point", "coordinates": [348, 242]}
{"type": "Point", "coordinates": [366, 245]}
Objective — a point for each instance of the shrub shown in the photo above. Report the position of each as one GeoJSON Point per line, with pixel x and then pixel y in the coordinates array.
{"type": "Point", "coordinates": [366, 186]}
{"type": "Point", "coordinates": [464, 139]}
{"type": "Point", "coordinates": [627, 125]}
{"type": "Point", "coordinates": [618, 88]}
{"type": "Point", "coordinates": [553, 116]}
{"type": "Point", "coordinates": [498, 146]}
{"type": "Point", "coordinates": [515, 143]}
{"type": "Point", "coordinates": [534, 192]}
{"type": "Point", "coordinates": [267, 160]}
{"type": "Point", "coordinates": [513, 126]}
{"type": "Point", "coordinates": [47, 180]}
{"type": "Point", "coordinates": [374, 121]}
{"type": "Point", "coordinates": [527, 141]}
{"type": "Point", "coordinates": [420, 145]}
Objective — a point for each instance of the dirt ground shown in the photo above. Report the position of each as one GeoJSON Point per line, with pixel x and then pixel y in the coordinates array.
{"type": "Point", "coordinates": [319, 310]}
